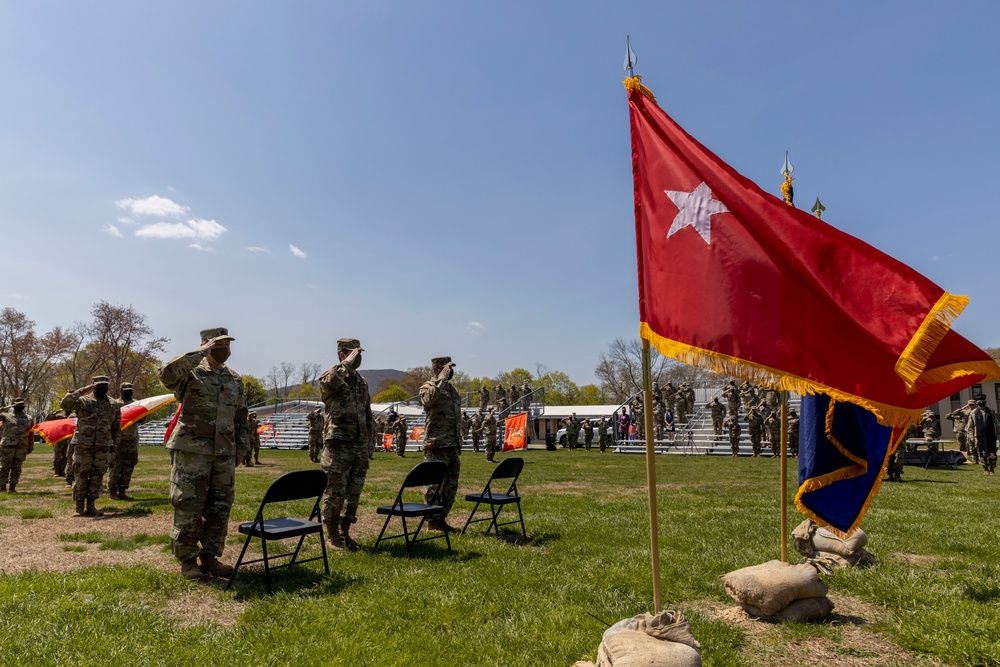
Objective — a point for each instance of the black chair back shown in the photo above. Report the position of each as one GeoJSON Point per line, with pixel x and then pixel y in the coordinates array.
{"type": "Point", "coordinates": [296, 485]}
{"type": "Point", "coordinates": [426, 473]}
{"type": "Point", "coordinates": [508, 469]}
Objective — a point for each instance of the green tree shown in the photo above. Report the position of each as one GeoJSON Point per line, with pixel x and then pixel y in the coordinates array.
{"type": "Point", "coordinates": [559, 389]}
{"type": "Point", "coordinates": [391, 394]}
{"type": "Point", "coordinates": [304, 391]}
{"type": "Point", "coordinates": [254, 389]}
{"type": "Point", "coordinates": [590, 394]}
{"type": "Point", "coordinates": [993, 352]}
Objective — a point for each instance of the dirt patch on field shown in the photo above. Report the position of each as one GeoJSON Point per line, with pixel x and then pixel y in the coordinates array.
{"type": "Point", "coordinates": [917, 560]}
{"type": "Point", "coordinates": [855, 644]}
{"type": "Point", "coordinates": [201, 607]}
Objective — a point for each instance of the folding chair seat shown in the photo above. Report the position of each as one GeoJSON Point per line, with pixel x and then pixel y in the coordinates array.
{"type": "Point", "coordinates": [506, 469]}
{"type": "Point", "coordinates": [296, 485]}
{"type": "Point", "coordinates": [426, 473]}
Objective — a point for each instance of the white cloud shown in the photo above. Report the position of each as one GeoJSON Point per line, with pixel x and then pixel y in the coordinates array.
{"type": "Point", "coordinates": [200, 247]}
{"type": "Point", "coordinates": [113, 231]}
{"type": "Point", "coordinates": [298, 252]}
{"type": "Point", "coordinates": [474, 328]}
{"type": "Point", "coordinates": [154, 206]}
{"type": "Point", "coordinates": [196, 228]}
{"type": "Point", "coordinates": [257, 248]}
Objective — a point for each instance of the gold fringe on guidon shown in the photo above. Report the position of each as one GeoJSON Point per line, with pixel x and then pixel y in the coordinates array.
{"type": "Point", "coordinates": [635, 83]}
{"type": "Point", "coordinates": [847, 472]}
{"type": "Point", "coordinates": [932, 330]}
{"type": "Point", "coordinates": [887, 415]}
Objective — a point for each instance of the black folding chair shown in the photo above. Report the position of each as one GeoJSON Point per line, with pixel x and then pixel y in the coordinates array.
{"type": "Point", "coordinates": [427, 473]}
{"type": "Point", "coordinates": [507, 469]}
{"type": "Point", "coordinates": [296, 485]}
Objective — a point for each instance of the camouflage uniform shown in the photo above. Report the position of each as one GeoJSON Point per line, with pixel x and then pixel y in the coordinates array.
{"type": "Point", "coordinates": [602, 434]}
{"type": "Point", "coordinates": [489, 428]}
{"type": "Point", "coordinates": [657, 392]}
{"type": "Point", "coordinates": [773, 425]}
{"type": "Point", "coordinates": [484, 398]}
{"type": "Point", "coordinates": [515, 397]}
{"type": "Point", "coordinates": [16, 442]}
{"type": "Point", "coordinates": [399, 431]}
{"type": "Point", "coordinates": [732, 424]}
{"type": "Point", "coordinates": [981, 433]}
{"type": "Point", "coordinates": [932, 429]}
{"type": "Point", "coordinates": [670, 397]}
{"type": "Point", "coordinates": [748, 396]}
{"type": "Point", "coordinates": [894, 469]}
{"type": "Point", "coordinates": [718, 415]}
{"type": "Point", "coordinates": [526, 395]}
{"type": "Point", "coordinates": [253, 434]}
{"type": "Point", "coordinates": [688, 395]}
{"type": "Point", "coordinates": [348, 439]}
{"type": "Point", "coordinates": [476, 429]}
{"type": "Point", "coordinates": [500, 397]}
{"type": "Point", "coordinates": [211, 430]}
{"type": "Point", "coordinates": [958, 420]}
{"type": "Point", "coordinates": [732, 395]}
{"type": "Point", "coordinates": [442, 439]}
{"type": "Point", "coordinates": [59, 448]}
{"type": "Point", "coordinates": [126, 455]}
{"type": "Point", "coordinates": [98, 429]}
{"type": "Point", "coordinates": [572, 430]}
{"type": "Point", "coordinates": [659, 411]}
{"type": "Point", "coordinates": [588, 434]}
{"type": "Point", "coordinates": [793, 434]}
{"type": "Point", "coordinates": [755, 422]}
{"type": "Point", "coordinates": [315, 419]}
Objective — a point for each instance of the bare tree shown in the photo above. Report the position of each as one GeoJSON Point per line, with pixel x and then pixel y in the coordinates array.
{"type": "Point", "coordinates": [28, 362]}
{"type": "Point", "coordinates": [124, 343]}
{"type": "Point", "coordinates": [273, 381]}
{"type": "Point", "coordinates": [620, 370]}
{"type": "Point", "coordinates": [287, 372]}
{"type": "Point", "coordinates": [309, 372]}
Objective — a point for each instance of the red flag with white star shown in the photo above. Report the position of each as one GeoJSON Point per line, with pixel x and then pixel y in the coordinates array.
{"type": "Point", "coordinates": [733, 279]}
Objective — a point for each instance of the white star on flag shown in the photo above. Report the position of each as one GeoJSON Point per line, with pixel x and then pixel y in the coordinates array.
{"type": "Point", "coordinates": [696, 209]}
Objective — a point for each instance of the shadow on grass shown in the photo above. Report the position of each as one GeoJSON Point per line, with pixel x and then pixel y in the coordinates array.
{"type": "Point", "coordinates": [981, 593]}
{"type": "Point", "coordinates": [925, 481]}
{"type": "Point", "coordinates": [422, 551]}
{"type": "Point", "coordinates": [307, 580]}
{"type": "Point", "coordinates": [844, 619]}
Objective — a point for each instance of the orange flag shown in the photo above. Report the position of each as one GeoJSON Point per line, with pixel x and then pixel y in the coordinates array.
{"type": "Point", "coordinates": [514, 432]}
{"type": "Point", "coordinates": [387, 439]}
{"type": "Point", "coordinates": [416, 433]}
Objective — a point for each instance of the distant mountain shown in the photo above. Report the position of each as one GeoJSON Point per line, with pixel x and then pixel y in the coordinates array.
{"type": "Point", "coordinates": [373, 377]}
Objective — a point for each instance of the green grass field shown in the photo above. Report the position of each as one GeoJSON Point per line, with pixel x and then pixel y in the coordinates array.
{"type": "Point", "coordinates": [934, 599]}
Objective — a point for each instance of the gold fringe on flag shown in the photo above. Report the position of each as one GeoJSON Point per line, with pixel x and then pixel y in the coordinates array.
{"type": "Point", "coordinates": [759, 374]}
{"type": "Point", "coordinates": [635, 83]}
{"type": "Point", "coordinates": [786, 189]}
{"type": "Point", "coordinates": [911, 363]}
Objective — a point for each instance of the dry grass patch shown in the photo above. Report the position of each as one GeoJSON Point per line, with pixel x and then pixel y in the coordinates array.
{"type": "Point", "coordinates": [917, 560]}
{"type": "Point", "coordinates": [202, 607]}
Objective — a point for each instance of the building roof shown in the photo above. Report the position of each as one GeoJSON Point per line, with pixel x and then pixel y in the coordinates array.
{"type": "Point", "coordinates": [587, 411]}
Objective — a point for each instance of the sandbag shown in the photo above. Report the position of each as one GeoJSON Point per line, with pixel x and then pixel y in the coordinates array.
{"type": "Point", "coordinates": [771, 586]}
{"type": "Point", "coordinates": [668, 625]}
{"type": "Point", "coordinates": [634, 648]}
{"type": "Point", "coordinates": [825, 540]}
{"type": "Point", "coordinates": [804, 609]}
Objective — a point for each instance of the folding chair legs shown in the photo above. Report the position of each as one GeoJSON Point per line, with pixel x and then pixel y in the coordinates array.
{"type": "Point", "coordinates": [239, 561]}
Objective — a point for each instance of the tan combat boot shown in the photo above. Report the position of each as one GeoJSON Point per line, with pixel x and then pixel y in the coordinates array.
{"type": "Point", "coordinates": [113, 494]}
{"type": "Point", "coordinates": [212, 565]}
{"type": "Point", "coordinates": [92, 508]}
{"type": "Point", "coordinates": [80, 510]}
{"type": "Point", "coordinates": [190, 570]}
{"type": "Point", "coordinates": [122, 495]}
{"type": "Point", "coordinates": [333, 540]}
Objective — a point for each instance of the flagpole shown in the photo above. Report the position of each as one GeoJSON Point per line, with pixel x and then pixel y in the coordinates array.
{"type": "Point", "coordinates": [784, 476]}
{"type": "Point", "coordinates": [654, 533]}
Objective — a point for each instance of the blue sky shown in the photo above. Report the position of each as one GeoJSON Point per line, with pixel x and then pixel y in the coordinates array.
{"type": "Point", "coordinates": [455, 177]}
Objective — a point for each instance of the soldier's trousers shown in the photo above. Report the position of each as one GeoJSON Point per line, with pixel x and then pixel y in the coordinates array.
{"type": "Point", "coordinates": [588, 440]}
{"type": "Point", "coordinates": [346, 466]}
{"type": "Point", "coordinates": [70, 466]}
{"type": "Point", "coordinates": [602, 443]}
{"type": "Point", "coordinates": [201, 491]}
{"type": "Point", "coordinates": [572, 437]}
{"type": "Point", "coordinates": [11, 459]}
{"type": "Point", "coordinates": [475, 442]}
{"type": "Point", "coordinates": [755, 443]}
{"type": "Point", "coordinates": [125, 459]}
{"type": "Point", "coordinates": [59, 458]}
{"type": "Point", "coordinates": [989, 460]}
{"type": "Point", "coordinates": [89, 465]}
{"type": "Point", "coordinates": [449, 456]}
{"type": "Point", "coordinates": [315, 445]}
{"type": "Point", "coordinates": [963, 442]}
{"type": "Point", "coordinates": [775, 437]}
{"type": "Point", "coordinates": [717, 425]}
{"type": "Point", "coordinates": [491, 447]}
{"type": "Point", "coordinates": [734, 445]}
{"type": "Point", "coordinates": [400, 445]}
{"type": "Point", "coordinates": [256, 449]}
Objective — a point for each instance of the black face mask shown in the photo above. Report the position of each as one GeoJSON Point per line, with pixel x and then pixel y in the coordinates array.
{"type": "Point", "coordinates": [127, 395]}
{"type": "Point", "coordinates": [101, 390]}
{"type": "Point", "coordinates": [981, 404]}
{"type": "Point", "coordinates": [220, 354]}
{"type": "Point", "coordinates": [18, 408]}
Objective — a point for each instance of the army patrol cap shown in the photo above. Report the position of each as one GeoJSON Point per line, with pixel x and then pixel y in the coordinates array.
{"type": "Point", "coordinates": [18, 401]}
{"type": "Point", "coordinates": [349, 344]}
{"type": "Point", "coordinates": [971, 402]}
{"type": "Point", "coordinates": [101, 379]}
{"type": "Point", "coordinates": [253, 414]}
{"type": "Point", "coordinates": [217, 332]}
{"type": "Point", "coordinates": [442, 361]}
{"type": "Point", "coordinates": [980, 397]}
{"type": "Point", "coordinates": [126, 385]}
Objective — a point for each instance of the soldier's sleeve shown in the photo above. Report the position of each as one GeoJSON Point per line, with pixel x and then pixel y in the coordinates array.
{"type": "Point", "coordinates": [333, 380]}
{"type": "Point", "coordinates": [70, 401]}
{"type": "Point", "coordinates": [175, 373]}
{"type": "Point", "coordinates": [429, 392]}
{"type": "Point", "coordinates": [241, 428]}
{"type": "Point", "coordinates": [116, 424]}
